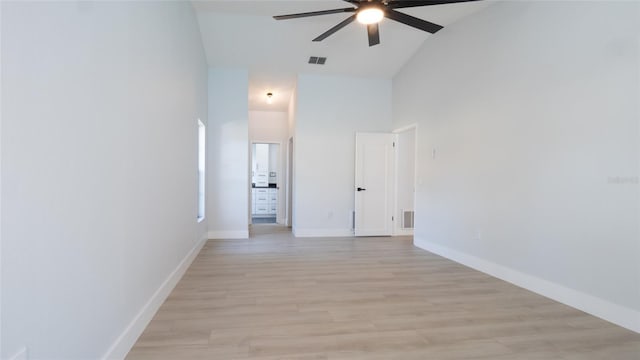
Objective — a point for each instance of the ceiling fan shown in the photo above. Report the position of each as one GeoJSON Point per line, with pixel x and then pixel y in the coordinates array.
{"type": "Point", "coordinates": [371, 12]}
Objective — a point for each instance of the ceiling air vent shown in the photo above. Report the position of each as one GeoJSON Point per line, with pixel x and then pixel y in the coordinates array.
{"type": "Point", "coordinates": [317, 60]}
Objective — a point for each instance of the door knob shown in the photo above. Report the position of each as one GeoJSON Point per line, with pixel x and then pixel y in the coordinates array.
{"type": "Point", "coordinates": [361, 189]}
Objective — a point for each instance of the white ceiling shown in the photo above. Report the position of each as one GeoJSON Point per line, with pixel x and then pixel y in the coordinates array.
{"type": "Point", "coordinates": [242, 33]}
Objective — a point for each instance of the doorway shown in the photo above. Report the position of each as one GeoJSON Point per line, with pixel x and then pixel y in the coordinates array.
{"type": "Point", "coordinates": [385, 178]}
{"type": "Point", "coordinates": [265, 182]}
{"type": "Point", "coordinates": [374, 184]}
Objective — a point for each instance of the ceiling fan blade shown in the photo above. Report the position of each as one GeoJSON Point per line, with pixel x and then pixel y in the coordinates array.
{"type": "Point", "coordinates": [374, 34]}
{"type": "Point", "coordinates": [354, 2]}
{"type": "Point", "coordinates": [409, 3]}
{"type": "Point", "coordinates": [329, 32]}
{"type": "Point", "coordinates": [412, 21]}
{"type": "Point", "coordinates": [314, 13]}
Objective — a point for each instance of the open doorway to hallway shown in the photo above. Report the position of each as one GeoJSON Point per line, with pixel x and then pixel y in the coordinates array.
{"type": "Point", "coordinates": [268, 135]}
{"type": "Point", "coordinates": [271, 124]}
{"type": "Point", "coordinates": [265, 182]}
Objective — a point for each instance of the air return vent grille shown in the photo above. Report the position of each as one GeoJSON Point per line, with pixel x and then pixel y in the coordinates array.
{"type": "Point", "coordinates": [318, 60]}
{"type": "Point", "coordinates": [407, 219]}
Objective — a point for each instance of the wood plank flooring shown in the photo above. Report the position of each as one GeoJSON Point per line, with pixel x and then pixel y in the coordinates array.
{"type": "Point", "coordinates": [277, 297]}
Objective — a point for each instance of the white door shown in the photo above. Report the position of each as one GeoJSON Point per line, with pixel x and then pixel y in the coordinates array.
{"type": "Point", "coordinates": [374, 184]}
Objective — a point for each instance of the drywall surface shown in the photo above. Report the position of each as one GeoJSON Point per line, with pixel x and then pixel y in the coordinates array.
{"type": "Point", "coordinates": [99, 167]}
{"type": "Point", "coordinates": [533, 114]}
{"type": "Point", "coordinates": [228, 153]}
{"type": "Point", "coordinates": [329, 112]}
{"type": "Point", "coordinates": [292, 112]}
{"type": "Point", "coordinates": [291, 126]}
{"type": "Point", "coordinates": [405, 177]}
{"type": "Point", "coordinates": [268, 126]}
{"type": "Point", "coordinates": [1, 178]}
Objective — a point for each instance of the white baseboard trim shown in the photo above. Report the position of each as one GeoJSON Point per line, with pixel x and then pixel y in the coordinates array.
{"type": "Point", "coordinates": [323, 233]}
{"type": "Point", "coordinates": [619, 315]}
{"type": "Point", "coordinates": [22, 354]}
{"type": "Point", "coordinates": [130, 335]}
{"type": "Point", "coordinates": [229, 234]}
{"type": "Point", "coordinates": [403, 232]}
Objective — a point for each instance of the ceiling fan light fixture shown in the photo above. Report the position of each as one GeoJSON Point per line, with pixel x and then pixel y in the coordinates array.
{"type": "Point", "coordinates": [371, 12]}
{"type": "Point", "coordinates": [370, 15]}
{"type": "Point", "coordinates": [269, 98]}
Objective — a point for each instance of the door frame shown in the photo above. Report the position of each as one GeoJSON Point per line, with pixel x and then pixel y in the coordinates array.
{"type": "Point", "coordinates": [280, 166]}
{"type": "Point", "coordinates": [397, 231]}
{"type": "Point", "coordinates": [289, 184]}
{"type": "Point", "coordinates": [391, 175]}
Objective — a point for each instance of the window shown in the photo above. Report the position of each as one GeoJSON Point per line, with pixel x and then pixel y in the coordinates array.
{"type": "Point", "coordinates": [201, 168]}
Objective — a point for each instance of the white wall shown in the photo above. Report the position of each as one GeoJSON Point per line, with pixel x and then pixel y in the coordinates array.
{"type": "Point", "coordinates": [330, 110]}
{"type": "Point", "coordinates": [272, 127]}
{"type": "Point", "coordinates": [291, 126]}
{"type": "Point", "coordinates": [292, 112]}
{"type": "Point", "coordinates": [268, 126]}
{"type": "Point", "coordinates": [99, 169]}
{"type": "Point", "coordinates": [1, 27]}
{"type": "Point", "coordinates": [405, 177]}
{"type": "Point", "coordinates": [228, 153]}
{"type": "Point", "coordinates": [533, 112]}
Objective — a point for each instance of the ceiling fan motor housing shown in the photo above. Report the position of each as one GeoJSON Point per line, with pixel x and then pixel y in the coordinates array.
{"type": "Point", "coordinates": [370, 12]}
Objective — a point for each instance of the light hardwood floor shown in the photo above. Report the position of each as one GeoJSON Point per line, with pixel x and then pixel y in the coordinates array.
{"type": "Point", "coordinates": [277, 297]}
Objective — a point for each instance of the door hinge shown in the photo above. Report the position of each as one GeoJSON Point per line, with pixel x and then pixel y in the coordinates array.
{"type": "Point", "coordinates": [392, 219]}
{"type": "Point", "coordinates": [394, 144]}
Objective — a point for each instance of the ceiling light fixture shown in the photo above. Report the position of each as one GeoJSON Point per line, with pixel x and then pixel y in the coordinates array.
{"type": "Point", "coordinates": [269, 98]}
{"type": "Point", "coordinates": [370, 15]}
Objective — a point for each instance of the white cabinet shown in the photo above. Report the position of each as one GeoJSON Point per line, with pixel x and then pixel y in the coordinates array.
{"type": "Point", "coordinates": [260, 201]}
{"type": "Point", "coordinates": [261, 178]}
{"type": "Point", "coordinates": [262, 209]}
{"type": "Point", "coordinates": [264, 201]}
{"type": "Point", "coordinates": [273, 200]}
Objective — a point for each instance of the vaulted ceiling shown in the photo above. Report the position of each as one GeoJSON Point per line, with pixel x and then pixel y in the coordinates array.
{"type": "Point", "coordinates": [239, 33]}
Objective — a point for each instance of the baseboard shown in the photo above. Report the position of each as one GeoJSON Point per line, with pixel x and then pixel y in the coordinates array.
{"type": "Point", "coordinates": [323, 232]}
{"type": "Point", "coordinates": [403, 232]}
{"type": "Point", "coordinates": [130, 335]}
{"type": "Point", "coordinates": [619, 315]}
{"type": "Point", "coordinates": [229, 234]}
{"type": "Point", "coordinates": [22, 354]}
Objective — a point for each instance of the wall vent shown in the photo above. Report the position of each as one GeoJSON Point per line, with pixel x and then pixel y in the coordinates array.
{"type": "Point", "coordinates": [407, 219]}
{"type": "Point", "coordinates": [318, 60]}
